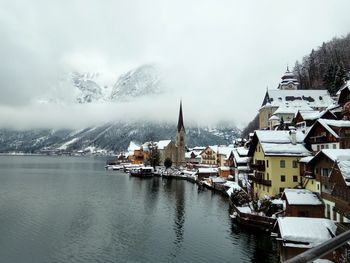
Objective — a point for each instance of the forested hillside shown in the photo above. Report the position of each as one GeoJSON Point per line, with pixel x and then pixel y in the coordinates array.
{"type": "Point", "coordinates": [326, 67]}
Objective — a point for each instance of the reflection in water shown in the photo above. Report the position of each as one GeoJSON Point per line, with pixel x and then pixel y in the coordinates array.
{"type": "Point", "coordinates": [60, 209]}
{"type": "Point", "coordinates": [179, 215]}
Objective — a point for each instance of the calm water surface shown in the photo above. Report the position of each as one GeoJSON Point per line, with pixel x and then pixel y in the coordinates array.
{"type": "Point", "coordinates": [69, 209]}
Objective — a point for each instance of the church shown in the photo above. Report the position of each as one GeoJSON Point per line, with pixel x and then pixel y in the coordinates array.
{"type": "Point", "coordinates": [174, 150]}
{"type": "Point", "coordinates": [285, 101]}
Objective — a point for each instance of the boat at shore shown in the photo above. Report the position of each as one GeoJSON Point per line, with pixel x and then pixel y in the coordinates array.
{"type": "Point", "coordinates": [142, 172]}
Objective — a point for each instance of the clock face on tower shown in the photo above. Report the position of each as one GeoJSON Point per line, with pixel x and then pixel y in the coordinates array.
{"type": "Point", "coordinates": [290, 86]}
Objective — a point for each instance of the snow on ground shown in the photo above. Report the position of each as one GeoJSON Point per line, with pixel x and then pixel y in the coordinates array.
{"type": "Point", "coordinates": [66, 144]}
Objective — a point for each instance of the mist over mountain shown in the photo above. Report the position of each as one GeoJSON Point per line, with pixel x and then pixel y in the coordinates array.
{"type": "Point", "coordinates": [143, 81]}
{"type": "Point", "coordinates": [110, 137]}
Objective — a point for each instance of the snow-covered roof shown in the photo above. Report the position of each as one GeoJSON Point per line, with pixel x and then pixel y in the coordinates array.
{"type": "Point", "coordinates": [225, 150]}
{"type": "Point", "coordinates": [299, 98]}
{"type": "Point", "coordinates": [306, 159]}
{"type": "Point", "coordinates": [305, 232]}
{"type": "Point", "coordinates": [274, 118]}
{"type": "Point", "coordinates": [239, 158]}
{"type": "Point", "coordinates": [218, 180]}
{"type": "Point", "coordinates": [280, 143]}
{"type": "Point", "coordinates": [286, 110]}
{"type": "Point", "coordinates": [344, 166]}
{"type": "Point", "coordinates": [242, 151]}
{"type": "Point", "coordinates": [301, 197]}
{"type": "Point", "coordinates": [244, 209]}
{"type": "Point", "coordinates": [207, 170]}
{"type": "Point", "coordinates": [133, 146]}
{"type": "Point", "coordinates": [269, 136]}
{"type": "Point", "coordinates": [285, 149]}
{"type": "Point", "coordinates": [162, 144]}
{"type": "Point", "coordinates": [311, 115]}
{"type": "Point", "coordinates": [337, 154]}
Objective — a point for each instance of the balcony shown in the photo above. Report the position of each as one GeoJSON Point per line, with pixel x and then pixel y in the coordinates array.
{"type": "Point", "coordinates": [319, 139]}
{"type": "Point", "coordinates": [308, 175]}
{"type": "Point", "coordinates": [259, 180]}
{"type": "Point", "coordinates": [259, 166]}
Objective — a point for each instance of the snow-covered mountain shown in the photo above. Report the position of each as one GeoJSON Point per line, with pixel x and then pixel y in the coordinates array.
{"type": "Point", "coordinates": [88, 88]}
{"type": "Point", "coordinates": [144, 80]}
{"type": "Point", "coordinates": [110, 137]}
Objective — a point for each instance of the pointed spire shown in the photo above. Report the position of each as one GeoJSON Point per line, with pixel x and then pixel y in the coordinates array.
{"type": "Point", "coordinates": [180, 123]}
{"type": "Point", "coordinates": [287, 69]}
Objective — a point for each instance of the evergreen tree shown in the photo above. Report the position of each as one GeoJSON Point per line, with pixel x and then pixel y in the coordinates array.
{"type": "Point", "coordinates": [168, 163]}
{"type": "Point", "coordinates": [154, 155]}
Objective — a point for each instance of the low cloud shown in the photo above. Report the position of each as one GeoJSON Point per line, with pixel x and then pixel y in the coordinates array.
{"type": "Point", "coordinates": [219, 56]}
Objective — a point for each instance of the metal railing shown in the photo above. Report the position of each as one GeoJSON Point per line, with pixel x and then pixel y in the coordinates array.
{"type": "Point", "coordinates": [321, 250]}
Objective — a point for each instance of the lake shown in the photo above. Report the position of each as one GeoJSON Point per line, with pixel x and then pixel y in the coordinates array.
{"type": "Point", "coordinates": [70, 209]}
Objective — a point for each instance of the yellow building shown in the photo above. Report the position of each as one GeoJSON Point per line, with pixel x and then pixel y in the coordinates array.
{"type": "Point", "coordinates": [274, 163]}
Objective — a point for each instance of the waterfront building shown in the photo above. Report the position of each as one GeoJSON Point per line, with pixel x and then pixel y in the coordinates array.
{"type": "Point", "coordinates": [303, 120]}
{"type": "Point", "coordinates": [274, 161]}
{"type": "Point", "coordinates": [302, 203]}
{"type": "Point", "coordinates": [180, 140]}
{"type": "Point", "coordinates": [328, 134]}
{"type": "Point", "coordinates": [286, 100]}
{"type": "Point", "coordinates": [330, 169]}
{"type": "Point", "coordinates": [297, 234]}
{"type": "Point", "coordinates": [209, 155]}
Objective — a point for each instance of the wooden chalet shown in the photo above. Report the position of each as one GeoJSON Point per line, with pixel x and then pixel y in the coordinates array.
{"type": "Point", "coordinates": [328, 134]}
{"type": "Point", "coordinates": [302, 203]}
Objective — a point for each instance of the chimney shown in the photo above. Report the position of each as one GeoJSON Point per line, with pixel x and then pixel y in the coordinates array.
{"type": "Point", "coordinates": [293, 137]}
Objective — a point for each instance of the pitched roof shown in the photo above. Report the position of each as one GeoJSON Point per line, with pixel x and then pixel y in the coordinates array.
{"type": "Point", "coordinates": [344, 166]}
{"type": "Point", "coordinates": [328, 124]}
{"type": "Point", "coordinates": [301, 197]}
{"type": "Point", "coordinates": [298, 98]}
{"type": "Point", "coordinates": [280, 143]}
{"type": "Point", "coordinates": [305, 232]}
{"type": "Point", "coordinates": [180, 123]}
{"type": "Point", "coordinates": [162, 144]}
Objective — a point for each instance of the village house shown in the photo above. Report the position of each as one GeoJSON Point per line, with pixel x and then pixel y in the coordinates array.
{"type": "Point", "coordinates": [302, 203]}
{"type": "Point", "coordinates": [305, 119]}
{"type": "Point", "coordinates": [290, 99]}
{"type": "Point", "coordinates": [193, 158]}
{"type": "Point", "coordinates": [344, 101]}
{"type": "Point", "coordinates": [330, 170]}
{"type": "Point", "coordinates": [209, 155]}
{"type": "Point", "coordinates": [238, 162]}
{"type": "Point", "coordinates": [274, 161]}
{"type": "Point", "coordinates": [297, 234]}
{"type": "Point", "coordinates": [328, 134]}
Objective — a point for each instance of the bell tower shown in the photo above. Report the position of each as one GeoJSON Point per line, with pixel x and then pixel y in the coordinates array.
{"type": "Point", "coordinates": [180, 138]}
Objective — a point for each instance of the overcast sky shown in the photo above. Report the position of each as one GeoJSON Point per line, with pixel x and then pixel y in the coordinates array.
{"type": "Point", "coordinates": [218, 56]}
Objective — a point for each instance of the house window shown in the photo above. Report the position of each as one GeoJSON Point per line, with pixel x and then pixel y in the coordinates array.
{"type": "Point", "coordinates": [283, 178]}
{"type": "Point", "coordinates": [281, 189]}
{"type": "Point", "coordinates": [328, 211]}
{"type": "Point", "coordinates": [324, 171]}
{"type": "Point", "coordinates": [295, 178]}
{"type": "Point", "coordinates": [282, 163]}
{"type": "Point", "coordinates": [326, 146]}
{"type": "Point", "coordinates": [334, 146]}
{"type": "Point", "coordinates": [318, 147]}
{"type": "Point", "coordinates": [322, 146]}
{"type": "Point", "coordinates": [267, 163]}
{"type": "Point", "coordinates": [318, 187]}
{"type": "Point", "coordinates": [295, 164]}
{"type": "Point", "coordinates": [267, 176]}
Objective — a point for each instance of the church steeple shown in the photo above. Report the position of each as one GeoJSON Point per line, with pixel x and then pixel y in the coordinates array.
{"type": "Point", "coordinates": [180, 123]}
{"type": "Point", "coordinates": [180, 139]}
